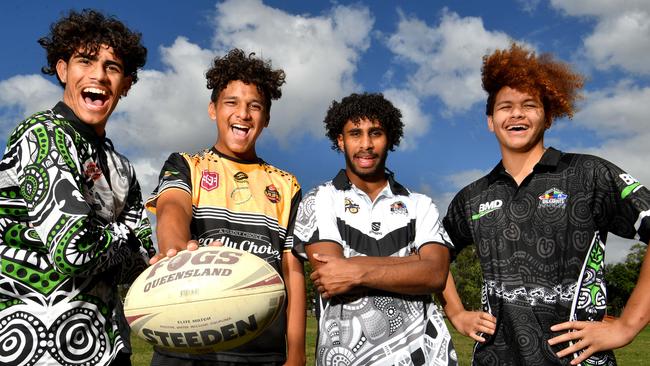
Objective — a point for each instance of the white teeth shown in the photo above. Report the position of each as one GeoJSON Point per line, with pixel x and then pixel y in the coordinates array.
{"type": "Point", "coordinates": [241, 127]}
{"type": "Point", "coordinates": [94, 91]}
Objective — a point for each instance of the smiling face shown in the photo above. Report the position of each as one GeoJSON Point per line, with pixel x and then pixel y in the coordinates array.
{"type": "Point", "coordinates": [518, 121]}
{"type": "Point", "coordinates": [93, 85]}
{"type": "Point", "coordinates": [365, 146]}
{"type": "Point", "coordinates": [241, 115]}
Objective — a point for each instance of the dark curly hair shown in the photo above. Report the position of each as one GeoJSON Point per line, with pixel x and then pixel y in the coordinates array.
{"type": "Point", "coordinates": [372, 106]}
{"type": "Point", "coordinates": [236, 65]}
{"type": "Point", "coordinates": [552, 81]}
{"type": "Point", "coordinates": [88, 30]}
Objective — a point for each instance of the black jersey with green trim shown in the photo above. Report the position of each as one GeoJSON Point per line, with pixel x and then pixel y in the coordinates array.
{"type": "Point", "coordinates": [373, 327]}
{"type": "Point", "coordinates": [248, 205]}
{"type": "Point", "coordinates": [72, 227]}
{"type": "Point", "coordinates": [542, 248]}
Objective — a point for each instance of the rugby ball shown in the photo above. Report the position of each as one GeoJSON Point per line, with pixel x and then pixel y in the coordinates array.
{"type": "Point", "coordinates": [207, 300]}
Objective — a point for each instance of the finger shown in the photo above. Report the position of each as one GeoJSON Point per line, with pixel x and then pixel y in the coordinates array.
{"type": "Point", "coordinates": [321, 257]}
{"type": "Point", "coordinates": [568, 326]}
{"type": "Point", "coordinates": [488, 317]}
{"type": "Point", "coordinates": [192, 245]}
{"type": "Point", "coordinates": [476, 337]}
{"type": "Point", "coordinates": [577, 346]}
{"type": "Point", "coordinates": [171, 253]}
{"type": "Point", "coordinates": [216, 243]}
{"type": "Point", "coordinates": [486, 330]}
{"type": "Point", "coordinates": [569, 336]}
{"type": "Point", "coordinates": [315, 276]}
{"type": "Point", "coordinates": [583, 356]}
{"type": "Point", "coordinates": [156, 258]}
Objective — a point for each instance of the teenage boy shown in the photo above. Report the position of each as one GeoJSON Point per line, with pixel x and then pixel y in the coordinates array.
{"type": "Point", "coordinates": [72, 221]}
{"type": "Point", "coordinates": [228, 194]}
{"type": "Point", "coordinates": [378, 250]}
{"type": "Point", "coordinates": [540, 220]}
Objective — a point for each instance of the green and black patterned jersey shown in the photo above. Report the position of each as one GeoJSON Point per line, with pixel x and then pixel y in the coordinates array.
{"type": "Point", "coordinates": [72, 227]}
{"type": "Point", "coordinates": [542, 249]}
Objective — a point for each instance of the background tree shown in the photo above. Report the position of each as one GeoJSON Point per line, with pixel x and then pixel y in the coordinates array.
{"type": "Point", "coordinates": [621, 279]}
{"type": "Point", "coordinates": [466, 269]}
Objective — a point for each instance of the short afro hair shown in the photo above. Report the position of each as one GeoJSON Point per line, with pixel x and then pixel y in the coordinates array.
{"type": "Point", "coordinates": [356, 107]}
{"type": "Point", "coordinates": [236, 65]}
{"type": "Point", "coordinates": [552, 81]}
{"type": "Point", "coordinates": [88, 30]}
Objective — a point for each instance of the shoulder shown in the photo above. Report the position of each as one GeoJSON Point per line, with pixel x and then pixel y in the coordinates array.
{"type": "Point", "coordinates": [45, 119]}
{"type": "Point", "coordinates": [282, 175]}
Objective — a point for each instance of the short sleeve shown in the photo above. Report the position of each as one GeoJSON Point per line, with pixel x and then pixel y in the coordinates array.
{"type": "Point", "coordinates": [456, 223]}
{"type": "Point", "coordinates": [175, 174]}
{"type": "Point", "coordinates": [428, 228]}
{"type": "Point", "coordinates": [315, 221]}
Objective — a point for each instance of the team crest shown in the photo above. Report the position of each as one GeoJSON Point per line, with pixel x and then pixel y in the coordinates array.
{"type": "Point", "coordinates": [272, 194]}
{"type": "Point", "coordinates": [375, 226]}
{"type": "Point", "coordinates": [241, 177]}
{"type": "Point", "coordinates": [553, 198]}
{"type": "Point", "coordinates": [93, 171]}
{"type": "Point", "coordinates": [351, 206]}
{"type": "Point", "coordinates": [398, 208]}
{"type": "Point", "coordinates": [209, 180]}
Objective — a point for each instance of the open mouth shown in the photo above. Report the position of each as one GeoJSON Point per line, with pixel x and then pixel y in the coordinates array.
{"type": "Point", "coordinates": [240, 130]}
{"type": "Point", "coordinates": [94, 96]}
{"type": "Point", "coordinates": [517, 128]}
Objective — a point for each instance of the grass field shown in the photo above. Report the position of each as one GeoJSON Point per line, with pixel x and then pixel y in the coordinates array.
{"type": "Point", "coordinates": [634, 354]}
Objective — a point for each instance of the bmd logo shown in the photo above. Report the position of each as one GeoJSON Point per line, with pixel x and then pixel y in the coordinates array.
{"type": "Point", "coordinates": [486, 208]}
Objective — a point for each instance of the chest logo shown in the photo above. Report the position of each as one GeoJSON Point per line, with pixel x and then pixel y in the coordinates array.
{"type": "Point", "coordinates": [553, 198]}
{"type": "Point", "coordinates": [486, 208]}
{"type": "Point", "coordinates": [272, 194]}
{"type": "Point", "coordinates": [376, 226]}
{"type": "Point", "coordinates": [209, 180]}
{"type": "Point", "coordinates": [93, 171]}
{"type": "Point", "coordinates": [398, 208]}
{"type": "Point", "coordinates": [350, 206]}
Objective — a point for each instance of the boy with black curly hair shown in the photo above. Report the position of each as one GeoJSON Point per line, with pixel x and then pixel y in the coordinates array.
{"type": "Point", "coordinates": [378, 250]}
{"type": "Point", "coordinates": [71, 214]}
{"type": "Point", "coordinates": [228, 195]}
{"type": "Point", "coordinates": [540, 220]}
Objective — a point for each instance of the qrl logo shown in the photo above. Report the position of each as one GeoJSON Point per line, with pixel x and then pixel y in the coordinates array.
{"type": "Point", "coordinates": [209, 180]}
{"type": "Point", "coordinates": [490, 206]}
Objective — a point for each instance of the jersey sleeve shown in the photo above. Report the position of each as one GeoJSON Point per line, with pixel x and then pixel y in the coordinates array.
{"type": "Point", "coordinates": [622, 203]}
{"type": "Point", "coordinates": [456, 223]}
{"type": "Point", "coordinates": [50, 178]}
{"type": "Point", "coordinates": [295, 203]}
{"type": "Point", "coordinates": [428, 228]}
{"type": "Point", "coordinates": [175, 174]}
{"type": "Point", "coordinates": [315, 221]}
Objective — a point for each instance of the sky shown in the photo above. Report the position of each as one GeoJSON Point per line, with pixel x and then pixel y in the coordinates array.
{"type": "Point", "coordinates": [424, 56]}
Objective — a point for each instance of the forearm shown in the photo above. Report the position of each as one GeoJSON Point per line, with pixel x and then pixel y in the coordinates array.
{"type": "Point", "coordinates": [415, 277]}
{"type": "Point", "coordinates": [296, 302]}
{"type": "Point", "coordinates": [449, 298]}
{"type": "Point", "coordinates": [636, 314]}
{"type": "Point", "coordinates": [174, 214]}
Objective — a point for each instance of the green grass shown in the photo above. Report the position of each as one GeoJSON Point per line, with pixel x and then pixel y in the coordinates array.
{"type": "Point", "coordinates": [632, 355]}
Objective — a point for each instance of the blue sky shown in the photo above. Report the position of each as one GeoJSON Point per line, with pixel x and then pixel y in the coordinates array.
{"type": "Point", "coordinates": [425, 56]}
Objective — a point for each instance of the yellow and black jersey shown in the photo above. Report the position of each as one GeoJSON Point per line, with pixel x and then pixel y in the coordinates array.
{"type": "Point", "coordinates": [248, 205]}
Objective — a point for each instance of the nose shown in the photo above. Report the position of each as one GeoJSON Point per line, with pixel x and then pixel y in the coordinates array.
{"type": "Point", "coordinates": [366, 142]}
{"type": "Point", "coordinates": [98, 72]}
{"type": "Point", "coordinates": [517, 111]}
{"type": "Point", "coordinates": [243, 111]}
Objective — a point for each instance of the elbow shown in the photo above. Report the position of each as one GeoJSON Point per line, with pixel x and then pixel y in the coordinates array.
{"type": "Point", "coordinates": [437, 281]}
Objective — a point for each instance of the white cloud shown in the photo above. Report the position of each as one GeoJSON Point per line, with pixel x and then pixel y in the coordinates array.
{"type": "Point", "coordinates": [22, 95]}
{"type": "Point", "coordinates": [448, 57]}
{"type": "Point", "coordinates": [319, 55]}
{"type": "Point", "coordinates": [621, 37]}
{"type": "Point", "coordinates": [416, 122]}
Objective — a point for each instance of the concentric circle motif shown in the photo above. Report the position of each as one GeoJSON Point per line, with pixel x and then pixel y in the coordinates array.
{"type": "Point", "coordinates": [78, 338]}
{"type": "Point", "coordinates": [19, 339]}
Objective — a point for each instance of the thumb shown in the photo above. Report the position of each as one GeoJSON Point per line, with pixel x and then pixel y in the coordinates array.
{"type": "Point", "coordinates": [324, 258]}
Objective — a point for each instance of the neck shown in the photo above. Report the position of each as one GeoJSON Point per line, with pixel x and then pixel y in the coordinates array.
{"type": "Point", "coordinates": [521, 164]}
{"type": "Point", "coordinates": [370, 185]}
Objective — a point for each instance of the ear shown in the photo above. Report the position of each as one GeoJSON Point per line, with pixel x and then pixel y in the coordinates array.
{"type": "Point", "coordinates": [339, 141]}
{"type": "Point", "coordinates": [62, 71]}
{"type": "Point", "coordinates": [126, 86]}
{"type": "Point", "coordinates": [490, 124]}
{"type": "Point", "coordinates": [212, 111]}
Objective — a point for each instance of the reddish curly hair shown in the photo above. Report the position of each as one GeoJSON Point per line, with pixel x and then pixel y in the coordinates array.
{"type": "Point", "coordinates": [556, 85]}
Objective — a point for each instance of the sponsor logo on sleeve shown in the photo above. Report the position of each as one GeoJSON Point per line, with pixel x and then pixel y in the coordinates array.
{"type": "Point", "coordinates": [209, 180]}
{"type": "Point", "coordinates": [632, 185]}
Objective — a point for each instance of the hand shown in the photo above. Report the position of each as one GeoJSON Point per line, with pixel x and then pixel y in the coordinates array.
{"type": "Point", "coordinates": [335, 276]}
{"type": "Point", "coordinates": [191, 245]}
{"type": "Point", "coordinates": [471, 323]}
{"type": "Point", "coordinates": [591, 337]}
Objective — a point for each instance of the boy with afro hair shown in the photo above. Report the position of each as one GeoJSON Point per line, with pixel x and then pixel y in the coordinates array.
{"type": "Point", "coordinates": [227, 195]}
{"type": "Point", "coordinates": [378, 249]}
{"type": "Point", "coordinates": [539, 221]}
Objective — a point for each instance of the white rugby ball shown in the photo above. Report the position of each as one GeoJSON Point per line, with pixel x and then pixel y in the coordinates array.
{"type": "Point", "coordinates": [207, 300]}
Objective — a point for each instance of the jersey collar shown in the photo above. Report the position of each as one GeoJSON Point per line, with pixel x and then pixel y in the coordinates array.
{"type": "Point", "coordinates": [85, 130]}
{"type": "Point", "coordinates": [549, 162]}
{"type": "Point", "coordinates": [342, 183]}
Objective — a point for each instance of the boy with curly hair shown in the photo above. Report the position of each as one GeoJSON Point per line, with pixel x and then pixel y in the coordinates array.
{"type": "Point", "coordinates": [540, 220]}
{"type": "Point", "coordinates": [378, 250]}
{"type": "Point", "coordinates": [72, 221]}
{"type": "Point", "coordinates": [228, 195]}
